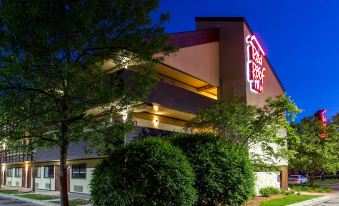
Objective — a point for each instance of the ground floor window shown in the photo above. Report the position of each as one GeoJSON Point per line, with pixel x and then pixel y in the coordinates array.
{"type": "Point", "coordinates": [10, 172]}
{"type": "Point", "coordinates": [49, 171]}
{"type": "Point", "coordinates": [79, 171]}
{"type": "Point", "coordinates": [37, 172]}
{"type": "Point", "coordinates": [17, 172]}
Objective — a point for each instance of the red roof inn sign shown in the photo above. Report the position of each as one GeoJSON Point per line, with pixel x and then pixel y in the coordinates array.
{"type": "Point", "coordinates": [255, 68]}
{"type": "Point", "coordinates": [320, 115]}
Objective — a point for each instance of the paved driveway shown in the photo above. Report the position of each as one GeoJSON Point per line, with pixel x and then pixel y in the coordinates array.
{"type": "Point", "coordinates": [331, 202]}
{"type": "Point", "coordinates": [13, 202]}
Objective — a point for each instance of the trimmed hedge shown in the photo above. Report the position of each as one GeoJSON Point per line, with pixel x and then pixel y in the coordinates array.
{"type": "Point", "coordinates": [145, 172]}
{"type": "Point", "coordinates": [224, 173]}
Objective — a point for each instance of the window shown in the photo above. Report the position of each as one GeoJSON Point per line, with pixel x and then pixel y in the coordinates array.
{"type": "Point", "coordinates": [79, 171]}
{"type": "Point", "coordinates": [17, 172]}
{"type": "Point", "coordinates": [49, 171]}
{"type": "Point", "coordinates": [10, 172]}
{"type": "Point", "coordinates": [37, 172]}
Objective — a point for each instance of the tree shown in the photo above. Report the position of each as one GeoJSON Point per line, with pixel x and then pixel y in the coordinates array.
{"type": "Point", "coordinates": [247, 126]}
{"type": "Point", "coordinates": [54, 89]}
{"type": "Point", "coordinates": [336, 119]}
{"type": "Point", "coordinates": [313, 154]}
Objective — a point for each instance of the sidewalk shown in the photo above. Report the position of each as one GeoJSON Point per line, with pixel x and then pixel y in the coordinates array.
{"type": "Point", "coordinates": [51, 202]}
{"type": "Point", "coordinates": [329, 199]}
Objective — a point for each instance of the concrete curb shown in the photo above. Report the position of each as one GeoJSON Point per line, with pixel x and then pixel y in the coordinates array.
{"type": "Point", "coordinates": [313, 201]}
{"type": "Point", "coordinates": [37, 202]}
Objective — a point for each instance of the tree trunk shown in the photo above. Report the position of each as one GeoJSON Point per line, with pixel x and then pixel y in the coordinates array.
{"type": "Point", "coordinates": [63, 174]}
{"type": "Point", "coordinates": [312, 179]}
{"type": "Point", "coordinates": [33, 177]}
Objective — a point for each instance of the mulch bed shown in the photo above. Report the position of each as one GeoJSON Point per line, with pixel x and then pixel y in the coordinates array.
{"type": "Point", "coordinates": [256, 201]}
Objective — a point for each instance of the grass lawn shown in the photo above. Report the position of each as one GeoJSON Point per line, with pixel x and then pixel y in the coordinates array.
{"type": "Point", "coordinates": [39, 197]}
{"type": "Point", "coordinates": [328, 181]}
{"type": "Point", "coordinates": [75, 202]}
{"type": "Point", "coordinates": [78, 202]}
{"type": "Point", "coordinates": [287, 200]}
{"type": "Point", "coordinates": [9, 191]}
{"type": "Point", "coordinates": [307, 188]}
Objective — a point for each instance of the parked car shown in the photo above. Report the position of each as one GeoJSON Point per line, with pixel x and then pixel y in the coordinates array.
{"type": "Point", "coordinates": [297, 179]}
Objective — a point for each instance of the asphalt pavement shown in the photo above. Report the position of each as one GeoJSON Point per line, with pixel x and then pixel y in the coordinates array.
{"type": "Point", "coordinates": [14, 202]}
{"type": "Point", "coordinates": [333, 201]}
{"type": "Point", "coordinates": [330, 202]}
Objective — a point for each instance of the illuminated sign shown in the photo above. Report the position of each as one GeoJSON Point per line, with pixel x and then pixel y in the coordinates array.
{"type": "Point", "coordinates": [320, 115]}
{"type": "Point", "coordinates": [255, 68]}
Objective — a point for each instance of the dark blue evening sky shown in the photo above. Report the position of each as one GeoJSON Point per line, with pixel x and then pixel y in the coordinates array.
{"type": "Point", "coordinates": [299, 37]}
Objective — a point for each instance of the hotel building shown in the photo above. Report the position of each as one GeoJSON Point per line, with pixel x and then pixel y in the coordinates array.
{"type": "Point", "coordinates": [220, 60]}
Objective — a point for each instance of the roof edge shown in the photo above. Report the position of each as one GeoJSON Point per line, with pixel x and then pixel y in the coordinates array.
{"type": "Point", "coordinates": [194, 38]}
{"type": "Point", "coordinates": [237, 18]}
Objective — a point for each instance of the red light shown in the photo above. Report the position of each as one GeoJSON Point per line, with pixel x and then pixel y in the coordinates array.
{"type": "Point", "coordinates": [321, 116]}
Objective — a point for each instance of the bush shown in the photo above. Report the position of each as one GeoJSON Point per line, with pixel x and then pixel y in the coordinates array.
{"type": "Point", "coordinates": [224, 174]}
{"type": "Point", "coordinates": [306, 188]}
{"type": "Point", "coordinates": [269, 191]}
{"type": "Point", "coordinates": [287, 192]}
{"type": "Point", "coordinates": [145, 172]}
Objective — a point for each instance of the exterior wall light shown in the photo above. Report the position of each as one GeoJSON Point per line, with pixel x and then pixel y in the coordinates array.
{"type": "Point", "coordinates": [155, 107]}
{"type": "Point", "coordinates": [125, 61]}
{"type": "Point", "coordinates": [155, 121]}
{"type": "Point", "coordinates": [124, 115]}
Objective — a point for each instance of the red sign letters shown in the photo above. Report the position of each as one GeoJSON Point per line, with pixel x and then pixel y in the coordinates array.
{"type": "Point", "coordinates": [320, 115]}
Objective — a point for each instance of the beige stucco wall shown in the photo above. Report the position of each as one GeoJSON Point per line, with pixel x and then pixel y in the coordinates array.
{"type": "Point", "coordinates": [90, 164]}
{"type": "Point", "coordinates": [82, 182]}
{"type": "Point", "coordinates": [231, 60]}
{"type": "Point", "coordinates": [266, 179]}
{"type": "Point", "coordinates": [85, 183]}
{"type": "Point", "coordinates": [200, 61]}
{"type": "Point", "coordinates": [14, 181]}
{"type": "Point", "coordinates": [255, 149]}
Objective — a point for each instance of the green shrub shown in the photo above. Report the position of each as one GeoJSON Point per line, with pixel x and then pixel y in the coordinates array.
{"type": "Point", "coordinates": [269, 191]}
{"type": "Point", "coordinates": [323, 189]}
{"type": "Point", "coordinates": [306, 188]}
{"type": "Point", "coordinates": [224, 174]}
{"type": "Point", "coordinates": [287, 192]}
{"type": "Point", "coordinates": [145, 172]}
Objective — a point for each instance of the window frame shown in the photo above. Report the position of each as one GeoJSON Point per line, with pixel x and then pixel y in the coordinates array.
{"type": "Point", "coordinates": [18, 174]}
{"type": "Point", "coordinates": [50, 174]}
{"type": "Point", "coordinates": [77, 171]}
{"type": "Point", "coordinates": [9, 172]}
{"type": "Point", "coordinates": [37, 172]}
